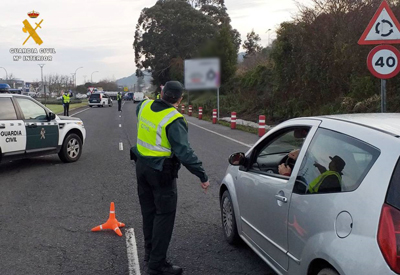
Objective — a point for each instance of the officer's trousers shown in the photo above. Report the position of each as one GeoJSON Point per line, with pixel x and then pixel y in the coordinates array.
{"type": "Point", "coordinates": [119, 105]}
{"type": "Point", "coordinates": [66, 109]}
{"type": "Point", "coordinates": [158, 199]}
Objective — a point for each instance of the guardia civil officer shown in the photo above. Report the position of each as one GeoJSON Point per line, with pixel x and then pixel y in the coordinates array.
{"type": "Point", "coordinates": [119, 99]}
{"type": "Point", "coordinates": [66, 98]}
{"type": "Point", "coordinates": [162, 145]}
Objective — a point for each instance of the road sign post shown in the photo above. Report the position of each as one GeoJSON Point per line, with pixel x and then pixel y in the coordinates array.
{"type": "Point", "coordinates": [203, 74]}
{"type": "Point", "coordinates": [383, 61]}
{"type": "Point", "coordinates": [383, 95]}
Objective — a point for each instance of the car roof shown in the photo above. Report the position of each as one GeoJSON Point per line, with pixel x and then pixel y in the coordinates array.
{"type": "Point", "coordinates": [385, 122]}
{"type": "Point", "coordinates": [13, 95]}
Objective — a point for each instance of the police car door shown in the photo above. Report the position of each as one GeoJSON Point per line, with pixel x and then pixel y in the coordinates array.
{"type": "Point", "coordinates": [42, 134]}
{"type": "Point", "coordinates": [12, 129]}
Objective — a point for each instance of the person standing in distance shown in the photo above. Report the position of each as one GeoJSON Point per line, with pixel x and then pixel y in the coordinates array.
{"type": "Point", "coordinates": [119, 99]}
{"type": "Point", "coordinates": [162, 145]}
{"type": "Point", "coordinates": [66, 100]}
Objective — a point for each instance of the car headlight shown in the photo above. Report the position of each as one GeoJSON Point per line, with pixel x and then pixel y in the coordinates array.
{"type": "Point", "coordinates": [80, 123]}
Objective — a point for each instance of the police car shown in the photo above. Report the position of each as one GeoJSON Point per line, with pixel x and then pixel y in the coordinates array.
{"type": "Point", "coordinates": [28, 129]}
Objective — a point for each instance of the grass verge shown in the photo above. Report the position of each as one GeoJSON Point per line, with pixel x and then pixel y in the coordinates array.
{"type": "Point", "coordinates": [58, 108]}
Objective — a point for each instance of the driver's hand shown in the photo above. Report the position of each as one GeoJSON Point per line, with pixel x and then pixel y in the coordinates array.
{"type": "Point", "coordinates": [294, 154]}
{"type": "Point", "coordinates": [284, 170]}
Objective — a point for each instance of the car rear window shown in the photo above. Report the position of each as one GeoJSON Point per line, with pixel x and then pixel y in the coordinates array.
{"type": "Point", "coordinates": [329, 149]}
{"type": "Point", "coordinates": [393, 195]}
{"type": "Point", "coordinates": [7, 110]}
{"type": "Point", "coordinates": [95, 96]}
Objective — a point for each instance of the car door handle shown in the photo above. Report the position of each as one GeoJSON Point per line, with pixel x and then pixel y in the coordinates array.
{"type": "Point", "coordinates": [2, 126]}
{"type": "Point", "coordinates": [32, 125]}
{"type": "Point", "coordinates": [281, 198]}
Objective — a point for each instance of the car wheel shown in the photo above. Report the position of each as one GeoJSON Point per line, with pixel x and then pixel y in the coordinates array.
{"type": "Point", "coordinates": [90, 106]}
{"type": "Point", "coordinates": [102, 105]}
{"type": "Point", "coordinates": [71, 149]}
{"type": "Point", "coordinates": [228, 219]}
{"type": "Point", "coordinates": [328, 271]}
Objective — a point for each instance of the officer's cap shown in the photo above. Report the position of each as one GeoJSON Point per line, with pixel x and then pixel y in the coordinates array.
{"type": "Point", "coordinates": [173, 89]}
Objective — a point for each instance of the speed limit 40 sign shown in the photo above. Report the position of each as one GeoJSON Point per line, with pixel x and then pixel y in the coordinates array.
{"type": "Point", "coordinates": [383, 61]}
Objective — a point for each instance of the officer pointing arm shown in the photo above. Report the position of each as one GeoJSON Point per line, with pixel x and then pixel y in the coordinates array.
{"type": "Point", "coordinates": [162, 144]}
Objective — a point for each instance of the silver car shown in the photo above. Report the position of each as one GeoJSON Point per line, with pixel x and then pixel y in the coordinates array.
{"type": "Point", "coordinates": [319, 196]}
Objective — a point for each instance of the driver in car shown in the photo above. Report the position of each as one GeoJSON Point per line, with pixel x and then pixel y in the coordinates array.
{"type": "Point", "coordinates": [285, 169]}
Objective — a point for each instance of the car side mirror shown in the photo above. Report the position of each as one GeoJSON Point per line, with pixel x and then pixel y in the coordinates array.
{"type": "Point", "coordinates": [51, 116]}
{"type": "Point", "coordinates": [237, 159]}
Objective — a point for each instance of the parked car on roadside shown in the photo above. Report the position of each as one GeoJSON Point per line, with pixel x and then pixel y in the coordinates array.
{"type": "Point", "coordinates": [338, 209]}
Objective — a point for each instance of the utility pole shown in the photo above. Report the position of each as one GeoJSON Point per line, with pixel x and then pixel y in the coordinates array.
{"type": "Point", "coordinates": [75, 76]}
{"type": "Point", "coordinates": [6, 73]}
{"type": "Point", "coordinates": [44, 87]}
{"type": "Point", "coordinates": [91, 77]}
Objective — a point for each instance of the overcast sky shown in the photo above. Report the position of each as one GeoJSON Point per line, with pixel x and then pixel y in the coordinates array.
{"type": "Point", "coordinates": [98, 34]}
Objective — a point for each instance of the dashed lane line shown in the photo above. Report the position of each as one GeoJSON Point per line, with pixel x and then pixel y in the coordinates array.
{"type": "Point", "coordinates": [80, 111]}
{"type": "Point", "coordinates": [133, 259]}
{"type": "Point", "coordinates": [121, 146]}
{"type": "Point", "coordinates": [120, 126]}
{"type": "Point", "coordinates": [221, 135]}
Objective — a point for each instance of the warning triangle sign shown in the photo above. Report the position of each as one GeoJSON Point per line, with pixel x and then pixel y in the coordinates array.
{"type": "Point", "coordinates": [382, 29]}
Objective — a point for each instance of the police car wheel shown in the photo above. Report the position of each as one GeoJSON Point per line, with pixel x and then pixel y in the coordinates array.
{"type": "Point", "coordinates": [228, 219]}
{"type": "Point", "coordinates": [71, 149]}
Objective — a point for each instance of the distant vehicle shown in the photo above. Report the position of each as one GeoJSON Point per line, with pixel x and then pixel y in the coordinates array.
{"type": "Point", "coordinates": [29, 129]}
{"type": "Point", "coordinates": [80, 96]}
{"type": "Point", "coordinates": [15, 91]}
{"type": "Point", "coordinates": [128, 96]}
{"type": "Point", "coordinates": [100, 100]}
{"type": "Point", "coordinates": [138, 96]}
{"type": "Point", "coordinates": [335, 211]}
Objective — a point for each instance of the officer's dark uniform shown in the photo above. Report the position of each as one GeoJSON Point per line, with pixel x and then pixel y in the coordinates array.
{"type": "Point", "coordinates": [119, 99]}
{"type": "Point", "coordinates": [156, 178]}
{"type": "Point", "coordinates": [66, 100]}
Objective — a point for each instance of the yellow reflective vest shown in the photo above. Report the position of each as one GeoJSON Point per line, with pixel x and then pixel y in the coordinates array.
{"type": "Point", "coordinates": [66, 98]}
{"type": "Point", "coordinates": [313, 187]}
{"type": "Point", "coordinates": [158, 96]}
{"type": "Point", "coordinates": [152, 138]}
{"type": "Point", "coordinates": [119, 97]}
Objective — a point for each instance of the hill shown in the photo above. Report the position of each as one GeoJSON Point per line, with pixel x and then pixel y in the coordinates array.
{"type": "Point", "coordinates": [131, 80]}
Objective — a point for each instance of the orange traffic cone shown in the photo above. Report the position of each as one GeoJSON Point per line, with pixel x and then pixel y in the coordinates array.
{"type": "Point", "coordinates": [111, 223]}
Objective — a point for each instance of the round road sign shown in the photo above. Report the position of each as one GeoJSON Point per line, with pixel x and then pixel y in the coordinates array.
{"type": "Point", "coordinates": [383, 61]}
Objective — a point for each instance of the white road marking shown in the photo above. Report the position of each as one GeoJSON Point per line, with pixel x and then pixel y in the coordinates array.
{"type": "Point", "coordinates": [133, 259]}
{"type": "Point", "coordinates": [80, 111]}
{"type": "Point", "coordinates": [121, 146]}
{"type": "Point", "coordinates": [221, 135]}
{"type": "Point", "coordinates": [120, 126]}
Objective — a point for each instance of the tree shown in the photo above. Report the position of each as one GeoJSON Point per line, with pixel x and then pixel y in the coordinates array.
{"type": "Point", "coordinates": [251, 44]}
{"type": "Point", "coordinates": [171, 29]}
{"type": "Point", "coordinates": [223, 47]}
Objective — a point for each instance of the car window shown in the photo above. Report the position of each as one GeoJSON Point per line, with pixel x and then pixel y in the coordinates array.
{"type": "Point", "coordinates": [334, 162]}
{"type": "Point", "coordinates": [272, 153]}
{"type": "Point", "coordinates": [94, 96]}
{"type": "Point", "coordinates": [31, 110]}
{"type": "Point", "coordinates": [393, 195]}
{"type": "Point", "coordinates": [7, 110]}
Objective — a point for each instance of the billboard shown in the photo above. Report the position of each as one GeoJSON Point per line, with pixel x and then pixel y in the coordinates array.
{"type": "Point", "coordinates": [202, 74]}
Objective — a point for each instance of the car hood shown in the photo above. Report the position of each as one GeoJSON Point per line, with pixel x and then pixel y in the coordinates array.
{"type": "Point", "coordinates": [69, 118]}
